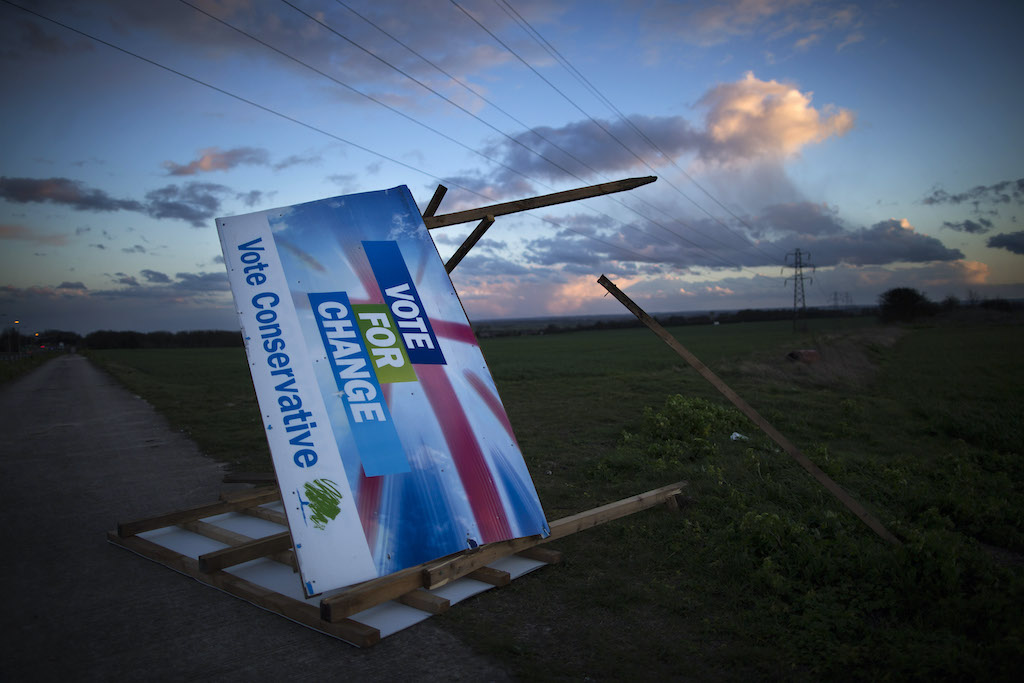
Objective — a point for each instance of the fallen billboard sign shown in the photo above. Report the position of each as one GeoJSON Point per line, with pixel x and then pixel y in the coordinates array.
{"type": "Point", "coordinates": [389, 441]}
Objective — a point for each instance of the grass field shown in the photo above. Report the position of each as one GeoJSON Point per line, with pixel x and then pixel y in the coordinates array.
{"type": "Point", "coordinates": [763, 574]}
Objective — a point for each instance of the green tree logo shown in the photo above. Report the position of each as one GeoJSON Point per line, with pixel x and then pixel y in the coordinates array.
{"type": "Point", "coordinates": [324, 501]}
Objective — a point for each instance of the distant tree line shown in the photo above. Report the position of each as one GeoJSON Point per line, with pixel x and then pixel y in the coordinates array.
{"type": "Point", "coordinates": [52, 340]}
{"type": "Point", "coordinates": [191, 339]}
{"type": "Point", "coordinates": [905, 304]}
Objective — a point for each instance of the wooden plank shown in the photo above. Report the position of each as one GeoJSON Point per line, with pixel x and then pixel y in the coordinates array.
{"type": "Point", "coordinates": [835, 489]}
{"type": "Point", "coordinates": [250, 478]}
{"type": "Point", "coordinates": [468, 244]}
{"type": "Point", "coordinates": [495, 577]}
{"type": "Point", "coordinates": [535, 202]}
{"type": "Point", "coordinates": [296, 610]}
{"type": "Point", "coordinates": [539, 554]}
{"type": "Point", "coordinates": [237, 502]}
{"type": "Point", "coordinates": [369, 593]}
{"type": "Point", "coordinates": [275, 516]}
{"type": "Point", "coordinates": [435, 201]}
{"type": "Point", "coordinates": [437, 573]}
{"type": "Point", "coordinates": [606, 513]}
{"type": "Point", "coordinates": [247, 494]}
{"type": "Point", "coordinates": [229, 557]}
{"type": "Point", "coordinates": [442, 572]}
{"type": "Point", "coordinates": [232, 538]}
{"type": "Point", "coordinates": [425, 601]}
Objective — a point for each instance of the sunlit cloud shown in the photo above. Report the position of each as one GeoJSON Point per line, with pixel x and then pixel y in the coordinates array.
{"type": "Point", "coordinates": [10, 231]}
{"type": "Point", "coordinates": [747, 122]}
{"type": "Point", "coordinates": [752, 119]}
{"type": "Point", "coordinates": [216, 159]}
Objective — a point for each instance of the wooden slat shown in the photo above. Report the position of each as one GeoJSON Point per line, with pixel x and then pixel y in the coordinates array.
{"type": "Point", "coordinates": [540, 554]}
{"type": "Point", "coordinates": [229, 557]}
{"type": "Point", "coordinates": [275, 516]}
{"type": "Point", "coordinates": [835, 489]}
{"type": "Point", "coordinates": [296, 610]}
{"type": "Point", "coordinates": [247, 494]}
{"type": "Point", "coordinates": [232, 538]}
{"type": "Point", "coordinates": [445, 570]}
{"type": "Point", "coordinates": [237, 502]}
{"type": "Point", "coordinates": [365, 595]}
{"type": "Point", "coordinates": [495, 577]}
{"type": "Point", "coordinates": [425, 601]}
{"type": "Point", "coordinates": [535, 202]}
{"type": "Point", "coordinates": [249, 478]}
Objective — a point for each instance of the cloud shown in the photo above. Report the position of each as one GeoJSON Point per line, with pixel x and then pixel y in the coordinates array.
{"type": "Point", "coordinates": [62, 191]}
{"type": "Point", "coordinates": [713, 23]}
{"type": "Point", "coordinates": [890, 241]}
{"type": "Point", "coordinates": [753, 119]}
{"type": "Point", "coordinates": [137, 249]}
{"type": "Point", "coordinates": [72, 285]}
{"type": "Point", "coordinates": [155, 277]}
{"type": "Point", "coordinates": [852, 39]}
{"type": "Point", "coordinates": [202, 282]}
{"type": "Point", "coordinates": [1011, 241]}
{"type": "Point", "coordinates": [980, 227]}
{"type": "Point", "coordinates": [777, 230]}
{"type": "Point", "coordinates": [31, 39]}
{"type": "Point", "coordinates": [747, 122]}
{"type": "Point", "coordinates": [10, 231]}
{"type": "Point", "coordinates": [215, 159]}
{"type": "Point", "coordinates": [584, 147]}
{"type": "Point", "coordinates": [295, 160]}
{"type": "Point", "coordinates": [197, 203]}
{"type": "Point", "coordinates": [1003, 192]}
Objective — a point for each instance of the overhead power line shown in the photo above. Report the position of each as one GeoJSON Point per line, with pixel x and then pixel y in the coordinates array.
{"type": "Point", "coordinates": [567, 65]}
{"type": "Point", "coordinates": [512, 139]}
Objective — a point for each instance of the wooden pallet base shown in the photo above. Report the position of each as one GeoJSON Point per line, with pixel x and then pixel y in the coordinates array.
{"type": "Point", "coordinates": [241, 545]}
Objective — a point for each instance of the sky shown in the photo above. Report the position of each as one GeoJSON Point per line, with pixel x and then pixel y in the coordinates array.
{"type": "Point", "coordinates": [883, 140]}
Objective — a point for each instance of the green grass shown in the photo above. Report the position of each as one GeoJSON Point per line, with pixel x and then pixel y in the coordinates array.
{"type": "Point", "coordinates": [12, 369]}
{"type": "Point", "coordinates": [763, 574]}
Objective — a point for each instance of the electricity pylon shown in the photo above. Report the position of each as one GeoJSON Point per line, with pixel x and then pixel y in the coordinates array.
{"type": "Point", "coordinates": [798, 277]}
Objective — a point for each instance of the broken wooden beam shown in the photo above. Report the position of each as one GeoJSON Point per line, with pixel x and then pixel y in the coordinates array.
{"type": "Point", "coordinates": [552, 199]}
{"type": "Point", "coordinates": [835, 489]}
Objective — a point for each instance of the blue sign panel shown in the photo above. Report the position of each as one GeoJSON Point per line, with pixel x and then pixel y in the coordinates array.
{"type": "Point", "coordinates": [401, 296]}
{"type": "Point", "coordinates": [372, 428]}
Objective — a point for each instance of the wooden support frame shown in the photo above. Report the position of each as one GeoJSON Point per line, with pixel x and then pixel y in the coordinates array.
{"type": "Point", "coordinates": [410, 587]}
{"type": "Point", "coordinates": [441, 572]}
{"type": "Point", "coordinates": [487, 214]}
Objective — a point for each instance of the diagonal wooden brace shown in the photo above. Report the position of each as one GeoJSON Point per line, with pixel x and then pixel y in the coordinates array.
{"type": "Point", "coordinates": [470, 242]}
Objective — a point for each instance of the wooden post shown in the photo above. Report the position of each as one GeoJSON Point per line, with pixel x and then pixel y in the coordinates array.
{"type": "Point", "coordinates": [506, 208]}
{"type": "Point", "coordinates": [826, 481]}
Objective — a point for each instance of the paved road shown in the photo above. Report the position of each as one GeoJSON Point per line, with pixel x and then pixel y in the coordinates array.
{"type": "Point", "coordinates": [79, 454]}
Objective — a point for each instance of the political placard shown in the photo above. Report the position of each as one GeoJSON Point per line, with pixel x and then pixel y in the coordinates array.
{"type": "Point", "coordinates": [389, 441]}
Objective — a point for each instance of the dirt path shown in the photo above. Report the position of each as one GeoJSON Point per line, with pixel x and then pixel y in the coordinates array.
{"type": "Point", "coordinates": [79, 454]}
